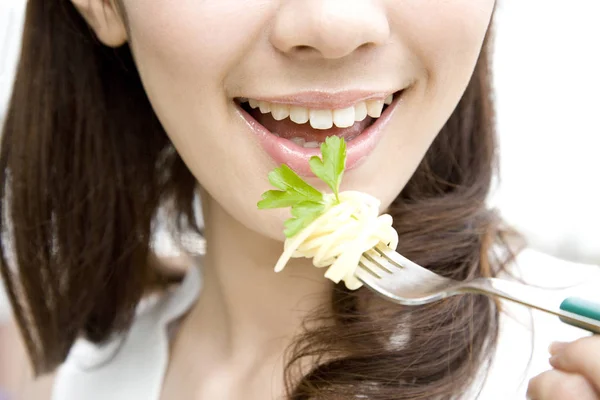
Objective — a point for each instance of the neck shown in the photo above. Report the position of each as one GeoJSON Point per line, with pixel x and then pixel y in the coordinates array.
{"type": "Point", "coordinates": [244, 303]}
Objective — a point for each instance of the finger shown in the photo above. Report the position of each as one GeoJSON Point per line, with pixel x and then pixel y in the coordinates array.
{"type": "Point", "coordinates": [560, 385]}
{"type": "Point", "coordinates": [581, 357]}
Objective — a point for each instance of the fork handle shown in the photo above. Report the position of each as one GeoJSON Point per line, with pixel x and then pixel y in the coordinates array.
{"type": "Point", "coordinates": [584, 314]}
{"type": "Point", "coordinates": [582, 307]}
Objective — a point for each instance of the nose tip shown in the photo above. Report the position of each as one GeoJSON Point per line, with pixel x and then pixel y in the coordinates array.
{"type": "Point", "coordinates": [329, 29]}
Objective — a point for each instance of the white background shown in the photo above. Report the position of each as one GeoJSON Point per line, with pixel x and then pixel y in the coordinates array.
{"type": "Point", "coordinates": [548, 89]}
{"type": "Point", "coordinates": [547, 67]}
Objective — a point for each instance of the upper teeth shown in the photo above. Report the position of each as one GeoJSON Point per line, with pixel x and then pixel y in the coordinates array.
{"type": "Point", "coordinates": [323, 119]}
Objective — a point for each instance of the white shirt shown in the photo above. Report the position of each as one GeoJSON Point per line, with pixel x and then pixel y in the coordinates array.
{"type": "Point", "coordinates": [133, 366]}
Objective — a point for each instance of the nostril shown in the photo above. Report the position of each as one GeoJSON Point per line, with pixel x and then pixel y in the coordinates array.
{"type": "Point", "coordinates": [304, 52]}
{"type": "Point", "coordinates": [303, 48]}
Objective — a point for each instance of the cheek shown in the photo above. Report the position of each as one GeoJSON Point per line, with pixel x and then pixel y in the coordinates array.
{"type": "Point", "coordinates": [446, 37]}
{"type": "Point", "coordinates": [184, 54]}
{"type": "Point", "coordinates": [203, 37]}
{"type": "Point", "coordinates": [188, 49]}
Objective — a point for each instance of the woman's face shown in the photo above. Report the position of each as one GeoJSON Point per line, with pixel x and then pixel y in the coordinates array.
{"type": "Point", "coordinates": [322, 60]}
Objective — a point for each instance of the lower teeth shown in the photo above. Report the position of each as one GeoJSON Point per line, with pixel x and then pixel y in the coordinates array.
{"type": "Point", "coordinates": [303, 143]}
{"type": "Point", "coordinates": [298, 141]}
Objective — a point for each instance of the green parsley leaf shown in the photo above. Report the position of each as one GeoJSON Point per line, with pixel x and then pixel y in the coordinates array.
{"type": "Point", "coordinates": [306, 202]}
{"type": "Point", "coordinates": [331, 168]}
{"type": "Point", "coordinates": [294, 190]}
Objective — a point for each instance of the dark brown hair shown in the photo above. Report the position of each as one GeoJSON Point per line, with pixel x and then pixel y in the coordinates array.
{"type": "Point", "coordinates": [86, 165]}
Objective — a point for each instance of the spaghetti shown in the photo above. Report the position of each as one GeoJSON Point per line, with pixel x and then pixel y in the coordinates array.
{"type": "Point", "coordinates": [337, 239]}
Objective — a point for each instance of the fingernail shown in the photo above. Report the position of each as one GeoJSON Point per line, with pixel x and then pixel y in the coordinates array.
{"type": "Point", "coordinates": [556, 347]}
{"type": "Point", "coordinates": [555, 361]}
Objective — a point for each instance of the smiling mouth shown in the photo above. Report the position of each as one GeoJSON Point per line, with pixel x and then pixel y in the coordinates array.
{"type": "Point", "coordinates": [309, 127]}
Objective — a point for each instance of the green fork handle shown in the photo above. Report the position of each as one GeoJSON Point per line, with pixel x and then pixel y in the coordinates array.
{"type": "Point", "coordinates": [584, 308]}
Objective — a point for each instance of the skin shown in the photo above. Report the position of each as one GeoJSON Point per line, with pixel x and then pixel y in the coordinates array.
{"type": "Point", "coordinates": [194, 59]}
{"type": "Point", "coordinates": [10, 374]}
{"type": "Point", "coordinates": [576, 373]}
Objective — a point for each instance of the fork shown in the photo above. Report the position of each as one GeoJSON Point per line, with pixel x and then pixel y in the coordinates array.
{"type": "Point", "coordinates": [402, 281]}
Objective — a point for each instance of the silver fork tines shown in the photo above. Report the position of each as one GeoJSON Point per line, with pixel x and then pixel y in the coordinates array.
{"type": "Point", "coordinates": [390, 274]}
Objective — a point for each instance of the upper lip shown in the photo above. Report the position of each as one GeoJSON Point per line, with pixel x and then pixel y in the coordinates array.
{"type": "Point", "coordinates": [327, 100]}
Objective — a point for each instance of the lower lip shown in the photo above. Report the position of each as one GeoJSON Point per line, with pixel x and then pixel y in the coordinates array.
{"type": "Point", "coordinates": [284, 151]}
